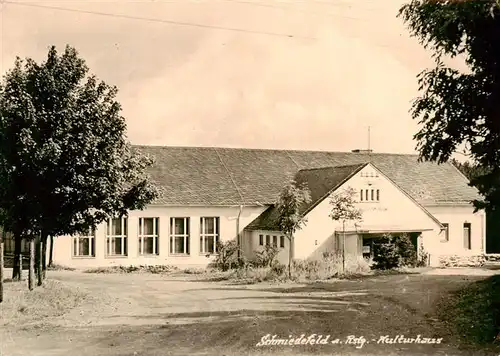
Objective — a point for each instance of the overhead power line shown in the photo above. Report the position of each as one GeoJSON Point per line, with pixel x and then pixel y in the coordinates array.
{"type": "Point", "coordinates": [189, 24]}
{"type": "Point", "coordinates": [148, 19]}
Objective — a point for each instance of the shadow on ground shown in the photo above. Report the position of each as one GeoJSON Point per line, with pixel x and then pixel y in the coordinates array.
{"type": "Point", "coordinates": [163, 317]}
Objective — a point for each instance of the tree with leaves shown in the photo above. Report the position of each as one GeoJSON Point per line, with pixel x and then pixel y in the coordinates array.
{"type": "Point", "coordinates": [470, 170]}
{"type": "Point", "coordinates": [290, 206]}
{"type": "Point", "coordinates": [2, 270]}
{"type": "Point", "coordinates": [460, 109]}
{"type": "Point", "coordinates": [65, 162]}
{"type": "Point", "coordinates": [344, 209]}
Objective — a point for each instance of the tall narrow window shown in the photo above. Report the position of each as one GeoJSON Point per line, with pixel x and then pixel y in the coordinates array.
{"type": "Point", "coordinates": [378, 195]}
{"type": "Point", "coordinates": [361, 195]}
{"type": "Point", "coordinates": [467, 236]}
{"type": "Point", "coordinates": [275, 241]}
{"type": "Point", "coordinates": [446, 232]}
{"type": "Point", "coordinates": [116, 237]}
{"type": "Point", "coordinates": [9, 244]}
{"type": "Point", "coordinates": [261, 240]}
{"type": "Point", "coordinates": [84, 244]}
{"type": "Point", "coordinates": [268, 240]}
{"type": "Point", "coordinates": [179, 236]}
{"type": "Point", "coordinates": [282, 241]}
{"type": "Point", "coordinates": [148, 236]}
{"type": "Point", "coordinates": [366, 194]}
{"type": "Point", "coordinates": [373, 194]}
{"type": "Point", "coordinates": [209, 235]}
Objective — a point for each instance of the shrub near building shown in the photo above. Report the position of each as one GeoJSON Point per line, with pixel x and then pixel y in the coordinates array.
{"type": "Point", "coordinates": [394, 252]}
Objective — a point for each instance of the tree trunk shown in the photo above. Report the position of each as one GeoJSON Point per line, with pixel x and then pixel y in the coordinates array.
{"type": "Point", "coordinates": [2, 238]}
{"type": "Point", "coordinates": [51, 252]}
{"type": "Point", "coordinates": [31, 273]}
{"type": "Point", "coordinates": [39, 251]}
{"type": "Point", "coordinates": [44, 256]}
{"type": "Point", "coordinates": [37, 255]}
{"type": "Point", "coordinates": [290, 256]}
{"type": "Point", "coordinates": [343, 246]}
{"type": "Point", "coordinates": [17, 267]}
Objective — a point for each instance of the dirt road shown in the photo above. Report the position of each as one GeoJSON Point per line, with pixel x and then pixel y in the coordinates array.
{"type": "Point", "coordinates": [144, 314]}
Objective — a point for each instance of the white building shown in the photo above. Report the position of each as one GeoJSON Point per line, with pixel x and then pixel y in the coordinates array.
{"type": "Point", "coordinates": [221, 193]}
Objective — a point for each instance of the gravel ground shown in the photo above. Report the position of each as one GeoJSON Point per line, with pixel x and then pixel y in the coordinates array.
{"type": "Point", "coordinates": [144, 314]}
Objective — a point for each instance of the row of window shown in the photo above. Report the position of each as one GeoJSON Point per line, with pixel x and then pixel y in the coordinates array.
{"type": "Point", "coordinates": [369, 195]}
{"type": "Point", "coordinates": [274, 241]}
{"type": "Point", "coordinates": [467, 234]}
{"type": "Point", "coordinates": [149, 237]}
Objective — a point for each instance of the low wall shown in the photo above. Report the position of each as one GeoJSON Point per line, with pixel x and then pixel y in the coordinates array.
{"type": "Point", "coordinates": [493, 257]}
{"type": "Point", "coordinates": [462, 261]}
{"type": "Point", "coordinates": [468, 261]}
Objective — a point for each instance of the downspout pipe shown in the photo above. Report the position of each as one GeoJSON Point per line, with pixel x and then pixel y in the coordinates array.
{"type": "Point", "coordinates": [238, 235]}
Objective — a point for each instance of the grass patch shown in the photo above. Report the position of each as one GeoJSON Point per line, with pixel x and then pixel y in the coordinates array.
{"type": "Point", "coordinates": [329, 267]}
{"type": "Point", "coordinates": [51, 299]}
{"type": "Point", "coordinates": [154, 269]}
{"type": "Point", "coordinates": [195, 271]}
{"type": "Point", "coordinates": [303, 271]}
{"type": "Point", "coordinates": [473, 312]}
{"type": "Point", "coordinates": [56, 267]}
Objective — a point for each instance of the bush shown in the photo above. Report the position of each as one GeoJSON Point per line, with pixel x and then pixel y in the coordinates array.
{"type": "Point", "coordinates": [191, 270]}
{"type": "Point", "coordinates": [266, 257]}
{"type": "Point", "coordinates": [154, 269]}
{"type": "Point", "coordinates": [227, 257]}
{"type": "Point", "coordinates": [407, 251]}
{"type": "Point", "coordinates": [256, 275]}
{"type": "Point", "coordinates": [330, 266]}
{"type": "Point", "coordinates": [394, 252]}
{"type": "Point", "coordinates": [279, 269]}
{"type": "Point", "coordinates": [56, 267]}
{"type": "Point", "coordinates": [423, 257]}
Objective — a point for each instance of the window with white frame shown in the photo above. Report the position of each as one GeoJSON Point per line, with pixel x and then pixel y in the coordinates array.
{"type": "Point", "coordinates": [149, 236]}
{"type": "Point", "coordinates": [84, 244]}
{"type": "Point", "coordinates": [467, 236]}
{"type": "Point", "coordinates": [116, 237]}
{"type": "Point", "coordinates": [275, 241]}
{"type": "Point", "coordinates": [209, 234]}
{"type": "Point", "coordinates": [282, 241]}
{"type": "Point", "coordinates": [179, 236]}
{"type": "Point", "coordinates": [261, 240]}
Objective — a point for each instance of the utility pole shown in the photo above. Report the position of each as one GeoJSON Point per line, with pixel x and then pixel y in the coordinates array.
{"type": "Point", "coordinates": [343, 245]}
{"type": "Point", "coordinates": [368, 138]}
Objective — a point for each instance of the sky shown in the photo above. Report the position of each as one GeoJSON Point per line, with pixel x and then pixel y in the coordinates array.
{"type": "Point", "coordinates": [296, 74]}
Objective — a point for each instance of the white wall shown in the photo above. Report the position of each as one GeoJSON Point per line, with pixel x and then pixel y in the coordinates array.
{"type": "Point", "coordinates": [395, 210]}
{"type": "Point", "coordinates": [254, 244]}
{"type": "Point", "coordinates": [228, 217]}
{"type": "Point", "coordinates": [456, 216]}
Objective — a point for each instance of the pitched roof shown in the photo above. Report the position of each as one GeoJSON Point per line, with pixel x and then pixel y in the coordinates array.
{"type": "Point", "coordinates": [234, 176]}
{"type": "Point", "coordinates": [321, 182]}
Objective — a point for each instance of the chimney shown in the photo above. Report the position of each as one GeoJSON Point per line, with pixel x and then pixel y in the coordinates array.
{"type": "Point", "coordinates": [361, 151]}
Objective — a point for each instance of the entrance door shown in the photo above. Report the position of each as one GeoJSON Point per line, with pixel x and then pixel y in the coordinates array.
{"type": "Point", "coordinates": [367, 248]}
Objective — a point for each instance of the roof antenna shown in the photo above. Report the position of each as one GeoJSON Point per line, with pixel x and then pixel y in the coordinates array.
{"type": "Point", "coordinates": [368, 138]}
{"type": "Point", "coordinates": [369, 149]}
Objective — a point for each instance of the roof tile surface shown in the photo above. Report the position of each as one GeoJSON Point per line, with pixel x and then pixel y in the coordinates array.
{"type": "Point", "coordinates": [233, 176]}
